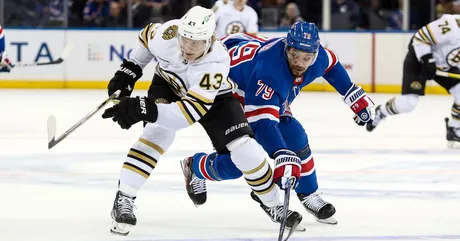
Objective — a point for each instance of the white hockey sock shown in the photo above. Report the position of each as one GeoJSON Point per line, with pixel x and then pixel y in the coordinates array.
{"type": "Point", "coordinates": [454, 121]}
{"type": "Point", "coordinates": [250, 158]}
{"type": "Point", "coordinates": [400, 104]}
{"type": "Point", "coordinates": [143, 157]}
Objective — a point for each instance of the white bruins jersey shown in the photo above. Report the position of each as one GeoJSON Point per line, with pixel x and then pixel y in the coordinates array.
{"type": "Point", "coordinates": [196, 82]}
{"type": "Point", "coordinates": [220, 3]}
{"type": "Point", "coordinates": [442, 38]}
{"type": "Point", "coordinates": [229, 20]}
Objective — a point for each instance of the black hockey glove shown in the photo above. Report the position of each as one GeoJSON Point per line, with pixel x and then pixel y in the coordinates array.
{"type": "Point", "coordinates": [428, 67]}
{"type": "Point", "coordinates": [125, 78]}
{"type": "Point", "coordinates": [132, 110]}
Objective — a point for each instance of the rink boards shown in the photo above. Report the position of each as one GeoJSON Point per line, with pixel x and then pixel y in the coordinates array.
{"type": "Point", "coordinates": [373, 60]}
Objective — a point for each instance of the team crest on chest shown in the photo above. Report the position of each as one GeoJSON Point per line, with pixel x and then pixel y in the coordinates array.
{"type": "Point", "coordinates": [170, 32]}
{"type": "Point", "coordinates": [453, 58]}
{"type": "Point", "coordinates": [235, 27]}
{"type": "Point", "coordinates": [298, 80]}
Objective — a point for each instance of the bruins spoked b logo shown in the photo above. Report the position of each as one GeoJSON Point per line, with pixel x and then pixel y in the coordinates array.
{"type": "Point", "coordinates": [453, 58]}
{"type": "Point", "coordinates": [234, 27]}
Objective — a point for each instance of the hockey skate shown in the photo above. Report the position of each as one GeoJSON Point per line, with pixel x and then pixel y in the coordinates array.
{"type": "Point", "coordinates": [196, 188]}
{"type": "Point", "coordinates": [276, 214]}
{"type": "Point", "coordinates": [320, 209]}
{"type": "Point", "coordinates": [452, 135]}
{"type": "Point", "coordinates": [370, 126]}
{"type": "Point", "coordinates": [122, 214]}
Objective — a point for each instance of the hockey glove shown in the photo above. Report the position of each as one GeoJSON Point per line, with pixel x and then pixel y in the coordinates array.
{"type": "Point", "coordinates": [428, 66]}
{"type": "Point", "coordinates": [5, 64]}
{"type": "Point", "coordinates": [132, 110]}
{"type": "Point", "coordinates": [125, 78]}
{"type": "Point", "coordinates": [287, 165]}
{"type": "Point", "coordinates": [360, 104]}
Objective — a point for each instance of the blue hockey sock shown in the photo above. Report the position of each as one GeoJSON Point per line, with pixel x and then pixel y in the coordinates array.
{"type": "Point", "coordinates": [308, 183]}
{"type": "Point", "coordinates": [215, 167]}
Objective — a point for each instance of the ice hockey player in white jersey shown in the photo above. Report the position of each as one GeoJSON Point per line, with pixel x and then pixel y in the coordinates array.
{"type": "Point", "coordinates": [190, 85]}
{"type": "Point", "coordinates": [5, 63]}
{"type": "Point", "coordinates": [235, 17]}
{"type": "Point", "coordinates": [220, 3]}
{"type": "Point", "coordinates": [436, 45]}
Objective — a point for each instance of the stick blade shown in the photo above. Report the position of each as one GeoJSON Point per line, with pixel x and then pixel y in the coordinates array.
{"type": "Point", "coordinates": [51, 128]}
{"type": "Point", "coordinates": [65, 53]}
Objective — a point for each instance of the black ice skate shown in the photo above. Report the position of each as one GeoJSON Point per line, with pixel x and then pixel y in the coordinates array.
{"type": "Point", "coordinates": [196, 188]}
{"type": "Point", "coordinates": [122, 214]}
{"type": "Point", "coordinates": [320, 209]}
{"type": "Point", "coordinates": [453, 139]}
{"type": "Point", "coordinates": [276, 214]}
{"type": "Point", "coordinates": [370, 126]}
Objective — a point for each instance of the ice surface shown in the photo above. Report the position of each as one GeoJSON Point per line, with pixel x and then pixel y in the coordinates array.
{"type": "Point", "coordinates": [398, 183]}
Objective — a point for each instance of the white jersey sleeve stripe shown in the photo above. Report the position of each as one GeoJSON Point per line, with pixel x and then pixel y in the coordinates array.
{"type": "Point", "coordinates": [332, 59]}
{"type": "Point", "coordinates": [256, 118]}
{"type": "Point", "coordinates": [430, 32]}
{"type": "Point", "coordinates": [418, 39]}
{"type": "Point", "coordinates": [427, 34]}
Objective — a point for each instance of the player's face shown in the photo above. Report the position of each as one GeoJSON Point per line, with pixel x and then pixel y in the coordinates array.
{"type": "Point", "coordinates": [299, 61]}
{"type": "Point", "coordinates": [191, 49]}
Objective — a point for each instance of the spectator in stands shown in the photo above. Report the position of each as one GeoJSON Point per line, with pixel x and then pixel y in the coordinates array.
{"type": "Point", "coordinates": [291, 15]}
{"type": "Point", "coordinates": [96, 13]}
{"type": "Point", "coordinates": [141, 13]}
{"type": "Point", "coordinates": [118, 15]}
{"type": "Point", "coordinates": [159, 10]}
{"type": "Point", "coordinates": [456, 7]}
{"type": "Point", "coordinates": [396, 18]}
{"type": "Point", "coordinates": [443, 7]}
{"type": "Point", "coordinates": [55, 13]}
{"type": "Point", "coordinates": [76, 12]}
{"type": "Point", "coordinates": [361, 19]}
{"type": "Point", "coordinates": [343, 6]}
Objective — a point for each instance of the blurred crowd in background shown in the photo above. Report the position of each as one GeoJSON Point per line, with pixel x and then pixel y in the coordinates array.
{"type": "Point", "coordinates": [345, 14]}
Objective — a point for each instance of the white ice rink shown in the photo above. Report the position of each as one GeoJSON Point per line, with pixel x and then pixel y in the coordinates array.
{"type": "Point", "coordinates": [397, 183]}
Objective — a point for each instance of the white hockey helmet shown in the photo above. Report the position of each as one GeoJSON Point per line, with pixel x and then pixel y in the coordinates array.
{"type": "Point", "coordinates": [198, 23]}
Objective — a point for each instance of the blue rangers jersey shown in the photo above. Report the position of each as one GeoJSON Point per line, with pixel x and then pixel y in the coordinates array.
{"type": "Point", "coordinates": [2, 42]}
{"type": "Point", "coordinates": [260, 68]}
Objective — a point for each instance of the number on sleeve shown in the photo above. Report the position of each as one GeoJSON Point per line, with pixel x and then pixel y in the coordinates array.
{"type": "Point", "coordinates": [243, 53]}
{"type": "Point", "coordinates": [267, 91]}
{"type": "Point", "coordinates": [444, 27]}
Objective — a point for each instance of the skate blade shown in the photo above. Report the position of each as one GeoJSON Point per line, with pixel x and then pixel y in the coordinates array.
{"type": "Point", "coordinates": [299, 228]}
{"type": "Point", "coordinates": [453, 144]}
{"type": "Point", "coordinates": [121, 229]}
{"type": "Point", "coordinates": [331, 221]}
{"type": "Point", "coordinates": [292, 230]}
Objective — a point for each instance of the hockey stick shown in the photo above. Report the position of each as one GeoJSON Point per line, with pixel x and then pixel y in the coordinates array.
{"type": "Point", "coordinates": [287, 194]}
{"type": "Point", "coordinates": [52, 122]}
{"type": "Point", "coordinates": [64, 55]}
{"type": "Point", "coordinates": [447, 74]}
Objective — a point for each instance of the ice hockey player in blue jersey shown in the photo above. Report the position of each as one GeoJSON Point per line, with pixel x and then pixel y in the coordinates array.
{"type": "Point", "coordinates": [5, 63]}
{"type": "Point", "coordinates": [270, 74]}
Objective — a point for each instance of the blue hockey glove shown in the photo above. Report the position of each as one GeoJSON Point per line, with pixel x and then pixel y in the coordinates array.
{"type": "Point", "coordinates": [5, 64]}
{"type": "Point", "coordinates": [287, 165]}
{"type": "Point", "coordinates": [360, 104]}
